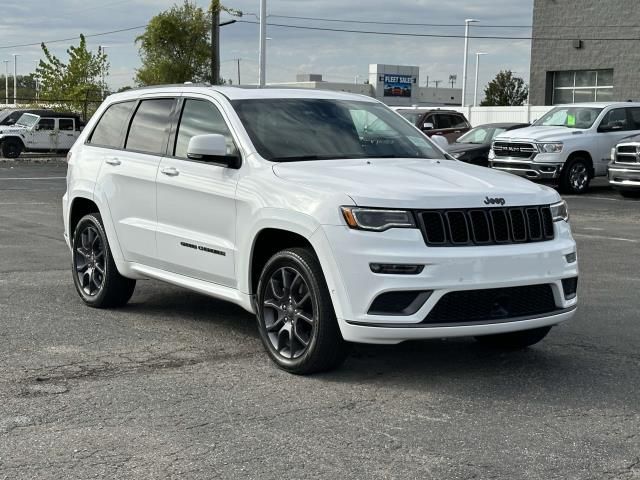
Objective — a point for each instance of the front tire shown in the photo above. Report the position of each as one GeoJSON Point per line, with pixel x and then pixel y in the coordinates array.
{"type": "Point", "coordinates": [575, 177]}
{"type": "Point", "coordinates": [95, 274]}
{"type": "Point", "coordinates": [11, 148]}
{"type": "Point", "coordinates": [514, 340]}
{"type": "Point", "coordinates": [296, 320]}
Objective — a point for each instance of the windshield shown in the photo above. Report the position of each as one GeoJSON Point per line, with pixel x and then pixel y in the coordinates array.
{"type": "Point", "coordinates": [299, 129]}
{"type": "Point", "coordinates": [480, 135]}
{"type": "Point", "coordinates": [570, 117]}
{"type": "Point", "coordinates": [27, 120]}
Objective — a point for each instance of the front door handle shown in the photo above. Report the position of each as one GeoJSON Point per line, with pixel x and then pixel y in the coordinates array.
{"type": "Point", "coordinates": [170, 171]}
{"type": "Point", "coordinates": [113, 161]}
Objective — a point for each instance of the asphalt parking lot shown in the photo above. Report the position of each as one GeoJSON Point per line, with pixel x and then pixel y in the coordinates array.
{"type": "Point", "coordinates": [176, 385]}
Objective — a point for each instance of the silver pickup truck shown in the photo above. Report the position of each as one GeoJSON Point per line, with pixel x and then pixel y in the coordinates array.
{"type": "Point", "coordinates": [624, 170]}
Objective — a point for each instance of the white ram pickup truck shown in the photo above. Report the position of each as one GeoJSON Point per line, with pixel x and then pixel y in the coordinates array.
{"type": "Point", "coordinates": [33, 133]}
{"type": "Point", "coordinates": [569, 145]}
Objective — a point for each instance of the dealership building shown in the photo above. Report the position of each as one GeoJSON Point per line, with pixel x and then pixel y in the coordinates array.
{"type": "Point", "coordinates": [395, 85]}
{"type": "Point", "coordinates": [585, 51]}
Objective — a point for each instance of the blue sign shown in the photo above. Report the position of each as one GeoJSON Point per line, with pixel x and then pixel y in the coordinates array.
{"type": "Point", "coordinates": [397, 85]}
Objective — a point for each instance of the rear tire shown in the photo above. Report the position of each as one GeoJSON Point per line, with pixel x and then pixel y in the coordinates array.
{"type": "Point", "coordinates": [575, 176]}
{"type": "Point", "coordinates": [11, 148]}
{"type": "Point", "coordinates": [514, 340]}
{"type": "Point", "coordinates": [95, 274]}
{"type": "Point", "coordinates": [296, 320]}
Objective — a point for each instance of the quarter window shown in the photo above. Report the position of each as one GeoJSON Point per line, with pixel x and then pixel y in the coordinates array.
{"type": "Point", "coordinates": [108, 131]}
{"type": "Point", "coordinates": [149, 130]}
{"type": "Point", "coordinates": [582, 86]}
{"type": "Point", "coordinates": [634, 118]}
{"type": "Point", "coordinates": [200, 117]}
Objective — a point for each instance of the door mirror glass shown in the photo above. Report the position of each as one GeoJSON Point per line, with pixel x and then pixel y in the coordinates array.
{"type": "Point", "coordinates": [211, 148]}
{"type": "Point", "coordinates": [427, 126]}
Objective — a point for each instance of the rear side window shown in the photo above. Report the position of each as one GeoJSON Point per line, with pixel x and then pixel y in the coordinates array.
{"type": "Point", "coordinates": [149, 130]}
{"type": "Point", "coordinates": [443, 121]}
{"type": "Point", "coordinates": [634, 116]}
{"type": "Point", "coordinates": [65, 124]}
{"type": "Point", "coordinates": [200, 117]}
{"type": "Point", "coordinates": [458, 121]}
{"type": "Point", "coordinates": [108, 131]}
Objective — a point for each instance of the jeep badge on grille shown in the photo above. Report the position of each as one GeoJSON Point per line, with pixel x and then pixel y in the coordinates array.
{"type": "Point", "coordinates": [494, 201]}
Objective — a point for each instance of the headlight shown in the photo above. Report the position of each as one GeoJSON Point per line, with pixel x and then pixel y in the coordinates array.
{"type": "Point", "coordinates": [377, 220]}
{"type": "Point", "coordinates": [559, 211]}
{"type": "Point", "coordinates": [550, 147]}
{"type": "Point", "coordinates": [613, 153]}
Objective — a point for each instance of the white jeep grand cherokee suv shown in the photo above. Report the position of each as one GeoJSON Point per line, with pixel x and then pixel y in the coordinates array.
{"type": "Point", "coordinates": [325, 214]}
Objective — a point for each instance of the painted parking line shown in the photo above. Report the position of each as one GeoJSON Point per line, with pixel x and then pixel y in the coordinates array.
{"type": "Point", "coordinates": [32, 178]}
{"type": "Point", "coordinates": [603, 237]}
{"type": "Point", "coordinates": [589, 197]}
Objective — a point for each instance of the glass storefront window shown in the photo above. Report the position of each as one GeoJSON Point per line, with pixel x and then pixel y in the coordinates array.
{"type": "Point", "coordinates": [582, 86]}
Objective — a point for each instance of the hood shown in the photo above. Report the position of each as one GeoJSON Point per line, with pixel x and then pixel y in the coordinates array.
{"type": "Point", "coordinates": [540, 134]}
{"type": "Point", "coordinates": [466, 147]}
{"type": "Point", "coordinates": [415, 183]}
{"type": "Point", "coordinates": [16, 129]}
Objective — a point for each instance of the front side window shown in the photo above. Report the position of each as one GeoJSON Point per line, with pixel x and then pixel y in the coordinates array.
{"type": "Point", "coordinates": [571, 117]}
{"type": "Point", "coordinates": [615, 119]}
{"type": "Point", "coordinates": [317, 129]}
{"type": "Point", "coordinates": [443, 121]}
{"type": "Point", "coordinates": [149, 130]}
{"type": "Point", "coordinates": [200, 117]}
{"type": "Point", "coordinates": [46, 124]}
{"type": "Point", "coordinates": [458, 121]}
{"type": "Point", "coordinates": [108, 131]}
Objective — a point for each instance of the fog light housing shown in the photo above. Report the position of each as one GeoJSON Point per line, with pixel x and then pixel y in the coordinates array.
{"type": "Point", "coordinates": [401, 303]}
{"type": "Point", "coordinates": [396, 268]}
{"type": "Point", "coordinates": [571, 257]}
{"type": "Point", "coordinates": [570, 287]}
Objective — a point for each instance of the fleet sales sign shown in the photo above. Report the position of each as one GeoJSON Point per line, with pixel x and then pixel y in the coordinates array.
{"type": "Point", "coordinates": [397, 85]}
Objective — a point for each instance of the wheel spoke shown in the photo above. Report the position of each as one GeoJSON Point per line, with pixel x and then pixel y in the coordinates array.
{"type": "Point", "coordinates": [272, 284]}
{"type": "Point", "coordinates": [100, 269]}
{"type": "Point", "coordinates": [304, 298]}
{"type": "Point", "coordinates": [302, 316]}
{"type": "Point", "coordinates": [302, 341]}
{"type": "Point", "coordinates": [82, 252]}
{"type": "Point", "coordinates": [273, 304]}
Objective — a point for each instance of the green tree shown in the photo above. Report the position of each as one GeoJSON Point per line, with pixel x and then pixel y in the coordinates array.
{"type": "Point", "coordinates": [175, 46]}
{"type": "Point", "coordinates": [76, 83]}
{"type": "Point", "coordinates": [505, 90]}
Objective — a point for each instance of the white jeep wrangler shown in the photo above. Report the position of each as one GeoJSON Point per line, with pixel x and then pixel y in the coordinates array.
{"type": "Point", "coordinates": [33, 133]}
{"type": "Point", "coordinates": [569, 145]}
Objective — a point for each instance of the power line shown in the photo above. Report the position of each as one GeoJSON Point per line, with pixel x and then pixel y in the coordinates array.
{"type": "Point", "coordinates": [434, 35]}
{"type": "Point", "coordinates": [46, 42]}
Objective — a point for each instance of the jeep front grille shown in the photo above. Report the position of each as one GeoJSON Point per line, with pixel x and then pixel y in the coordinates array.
{"type": "Point", "coordinates": [489, 226]}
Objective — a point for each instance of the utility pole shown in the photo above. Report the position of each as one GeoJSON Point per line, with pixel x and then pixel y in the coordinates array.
{"type": "Point", "coordinates": [466, 54]}
{"type": "Point", "coordinates": [263, 44]}
{"type": "Point", "coordinates": [437, 82]}
{"type": "Point", "coordinates": [238, 60]}
{"type": "Point", "coordinates": [452, 79]}
{"type": "Point", "coordinates": [6, 82]}
{"type": "Point", "coordinates": [215, 42]}
{"type": "Point", "coordinates": [15, 78]}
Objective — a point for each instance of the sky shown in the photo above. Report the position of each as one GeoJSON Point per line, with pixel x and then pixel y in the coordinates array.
{"type": "Point", "coordinates": [337, 56]}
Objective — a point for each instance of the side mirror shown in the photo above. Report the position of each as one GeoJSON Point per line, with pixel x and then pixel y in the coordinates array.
{"type": "Point", "coordinates": [212, 148]}
{"type": "Point", "coordinates": [36, 127]}
{"type": "Point", "coordinates": [441, 141]}
{"type": "Point", "coordinates": [427, 126]}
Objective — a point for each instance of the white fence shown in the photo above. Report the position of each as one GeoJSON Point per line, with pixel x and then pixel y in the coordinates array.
{"type": "Point", "coordinates": [481, 115]}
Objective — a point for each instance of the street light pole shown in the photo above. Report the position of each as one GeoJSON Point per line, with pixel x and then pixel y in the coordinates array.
{"type": "Point", "coordinates": [263, 44]}
{"type": "Point", "coordinates": [15, 78]}
{"type": "Point", "coordinates": [466, 54]}
{"type": "Point", "coordinates": [6, 82]}
{"type": "Point", "coordinates": [475, 93]}
{"type": "Point", "coordinates": [101, 50]}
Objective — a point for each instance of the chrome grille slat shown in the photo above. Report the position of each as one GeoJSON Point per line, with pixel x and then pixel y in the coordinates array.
{"type": "Point", "coordinates": [514, 149]}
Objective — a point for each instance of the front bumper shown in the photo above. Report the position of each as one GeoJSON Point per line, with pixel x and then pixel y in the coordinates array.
{"type": "Point", "coordinates": [624, 176]}
{"type": "Point", "coordinates": [447, 269]}
{"type": "Point", "coordinates": [528, 168]}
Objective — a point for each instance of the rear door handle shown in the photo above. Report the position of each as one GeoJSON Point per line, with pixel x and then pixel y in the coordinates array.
{"type": "Point", "coordinates": [113, 161]}
{"type": "Point", "coordinates": [170, 171]}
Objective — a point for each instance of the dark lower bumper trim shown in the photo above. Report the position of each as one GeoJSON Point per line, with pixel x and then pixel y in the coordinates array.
{"type": "Point", "coordinates": [560, 311]}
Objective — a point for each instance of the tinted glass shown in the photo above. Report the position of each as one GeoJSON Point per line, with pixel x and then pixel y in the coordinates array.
{"type": "Point", "coordinates": [317, 129]}
{"type": "Point", "coordinates": [108, 131]}
{"type": "Point", "coordinates": [443, 121]}
{"type": "Point", "coordinates": [616, 119]}
{"type": "Point", "coordinates": [458, 121]}
{"type": "Point", "coordinates": [634, 115]}
{"type": "Point", "coordinates": [200, 117]}
{"type": "Point", "coordinates": [65, 124]}
{"type": "Point", "coordinates": [46, 124]}
{"type": "Point", "coordinates": [413, 117]}
{"type": "Point", "coordinates": [149, 130]}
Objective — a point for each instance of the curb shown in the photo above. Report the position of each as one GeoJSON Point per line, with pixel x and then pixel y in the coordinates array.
{"type": "Point", "coordinates": [33, 161]}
